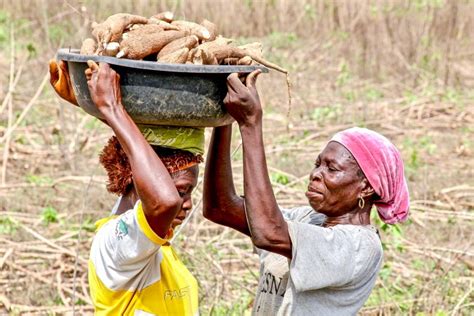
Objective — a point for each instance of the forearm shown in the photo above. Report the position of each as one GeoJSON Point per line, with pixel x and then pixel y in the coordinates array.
{"type": "Point", "coordinates": [221, 204]}
{"type": "Point", "coordinates": [152, 181]}
{"type": "Point", "coordinates": [266, 223]}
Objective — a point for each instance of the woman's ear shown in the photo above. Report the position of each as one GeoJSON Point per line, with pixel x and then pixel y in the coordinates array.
{"type": "Point", "coordinates": [367, 190]}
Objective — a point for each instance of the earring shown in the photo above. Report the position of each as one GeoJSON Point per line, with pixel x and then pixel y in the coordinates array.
{"type": "Point", "coordinates": [361, 202]}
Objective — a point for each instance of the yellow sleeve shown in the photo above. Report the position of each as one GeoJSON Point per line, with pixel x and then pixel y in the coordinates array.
{"type": "Point", "coordinates": [146, 229]}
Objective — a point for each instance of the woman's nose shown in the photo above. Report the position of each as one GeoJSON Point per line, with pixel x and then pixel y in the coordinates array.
{"type": "Point", "coordinates": [315, 174]}
{"type": "Point", "coordinates": [187, 204]}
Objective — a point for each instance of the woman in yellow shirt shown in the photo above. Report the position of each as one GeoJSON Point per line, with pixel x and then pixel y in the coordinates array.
{"type": "Point", "coordinates": [132, 268]}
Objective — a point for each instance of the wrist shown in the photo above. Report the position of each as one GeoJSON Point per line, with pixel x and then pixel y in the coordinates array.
{"type": "Point", "coordinates": [250, 127]}
{"type": "Point", "coordinates": [112, 110]}
{"type": "Point", "coordinates": [251, 122]}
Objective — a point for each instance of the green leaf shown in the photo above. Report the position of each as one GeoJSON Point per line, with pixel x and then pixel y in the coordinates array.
{"type": "Point", "coordinates": [49, 215]}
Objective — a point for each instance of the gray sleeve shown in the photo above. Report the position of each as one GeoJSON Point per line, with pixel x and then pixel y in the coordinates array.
{"type": "Point", "coordinates": [321, 257]}
{"type": "Point", "coordinates": [291, 214]}
{"type": "Point", "coordinates": [288, 214]}
{"type": "Point", "coordinates": [294, 214]}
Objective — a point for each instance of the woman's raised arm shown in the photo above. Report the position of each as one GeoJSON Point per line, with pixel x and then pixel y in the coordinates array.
{"type": "Point", "coordinates": [267, 226]}
{"type": "Point", "coordinates": [155, 187]}
{"type": "Point", "coordinates": [220, 202]}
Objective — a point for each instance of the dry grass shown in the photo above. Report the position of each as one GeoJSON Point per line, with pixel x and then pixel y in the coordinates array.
{"type": "Point", "coordinates": [403, 68]}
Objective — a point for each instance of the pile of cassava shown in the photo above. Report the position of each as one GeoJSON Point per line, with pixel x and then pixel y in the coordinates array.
{"type": "Point", "coordinates": [166, 40]}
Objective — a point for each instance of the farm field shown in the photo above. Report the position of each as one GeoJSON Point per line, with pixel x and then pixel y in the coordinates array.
{"type": "Point", "coordinates": [404, 68]}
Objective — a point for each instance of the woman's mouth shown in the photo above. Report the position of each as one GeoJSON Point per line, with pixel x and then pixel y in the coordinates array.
{"type": "Point", "coordinates": [178, 220]}
{"type": "Point", "coordinates": [312, 192]}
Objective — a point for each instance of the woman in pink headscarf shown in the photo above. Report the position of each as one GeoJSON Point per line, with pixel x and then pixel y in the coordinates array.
{"type": "Point", "coordinates": [321, 259]}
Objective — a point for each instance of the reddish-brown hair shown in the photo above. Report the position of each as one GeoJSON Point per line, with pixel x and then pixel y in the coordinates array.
{"type": "Point", "coordinates": [116, 164]}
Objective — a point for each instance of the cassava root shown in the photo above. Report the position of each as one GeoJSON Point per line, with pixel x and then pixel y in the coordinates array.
{"type": "Point", "coordinates": [164, 39]}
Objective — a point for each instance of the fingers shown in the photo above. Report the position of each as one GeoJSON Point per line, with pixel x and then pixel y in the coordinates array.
{"type": "Point", "coordinates": [234, 83]}
{"type": "Point", "coordinates": [63, 67]}
{"type": "Point", "coordinates": [53, 71]}
{"type": "Point", "coordinates": [88, 73]}
{"type": "Point", "coordinates": [242, 77]}
{"type": "Point", "coordinates": [92, 65]}
{"type": "Point", "coordinates": [252, 78]}
{"type": "Point", "coordinates": [104, 65]}
{"type": "Point", "coordinates": [227, 99]}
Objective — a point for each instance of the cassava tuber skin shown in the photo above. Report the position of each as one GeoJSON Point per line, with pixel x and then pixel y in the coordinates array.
{"type": "Point", "coordinates": [245, 61]}
{"type": "Point", "coordinates": [204, 57]}
{"type": "Point", "coordinates": [112, 28]}
{"type": "Point", "coordinates": [207, 46]}
{"type": "Point", "coordinates": [143, 29]}
{"type": "Point", "coordinates": [166, 16]}
{"type": "Point", "coordinates": [112, 49]}
{"type": "Point", "coordinates": [89, 47]}
{"type": "Point", "coordinates": [230, 61]}
{"type": "Point", "coordinates": [177, 57]}
{"type": "Point", "coordinates": [170, 41]}
{"type": "Point", "coordinates": [133, 27]}
{"type": "Point", "coordinates": [211, 27]}
{"type": "Point", "coordinates": [218, 42]}
{"type": "Point", "coordinates": [254, 48]}
{"type": "Point", "coordinates": [193, 28]}
{"type": "Point", "coordinates": [188, 42]}
{"type": "Point", "coordinates": [164, 25]}
{"type": "Point", "coordinates": [208, 58]}
{"type": "Point", "coordinates": [222, 52]}
{"type": "Point", "coordinates": [139, 45]}
{"type": "Point", "coordinates": [191, 53]}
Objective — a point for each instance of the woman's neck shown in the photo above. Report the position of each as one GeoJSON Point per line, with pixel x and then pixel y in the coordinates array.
{"type": "Point", "coordinates": [356, 217]}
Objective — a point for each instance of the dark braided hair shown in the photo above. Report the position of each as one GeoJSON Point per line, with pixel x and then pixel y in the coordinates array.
{"type": "Point", "coordinates": [116, 164]}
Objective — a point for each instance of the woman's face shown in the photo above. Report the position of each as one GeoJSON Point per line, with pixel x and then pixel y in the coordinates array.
{"type": "Point", "coordinates": [334, 183]}
{"type": "Point", "coordinates": [185, 182]}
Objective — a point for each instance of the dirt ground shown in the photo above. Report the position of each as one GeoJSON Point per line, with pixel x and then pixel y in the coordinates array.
{"type": "Point", "coordinates": [405, 71]}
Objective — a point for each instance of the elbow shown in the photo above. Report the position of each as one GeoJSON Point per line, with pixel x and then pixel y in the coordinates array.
{"type": "Point", "coordinates": [218, 209]}
{"type": "Point", "coordinates": [170, 205]}
{"type": "Point", "coordinates": [210, 205]}
{"type": "Point", "coordinates": [210, 213]}
{"type": "Point", "coordinates": [261, 242]}
{"type": "Point", "coordinates": [266, 239]}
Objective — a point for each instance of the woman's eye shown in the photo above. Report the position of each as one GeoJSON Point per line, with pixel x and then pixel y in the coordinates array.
{"type": "Point", "coordinates": [332, 168]}
{"type": "Point", "coordinates": [181, 193]}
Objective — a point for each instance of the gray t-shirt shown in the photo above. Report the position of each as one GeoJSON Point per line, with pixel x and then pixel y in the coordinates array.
{"type": "Point", "coordinates": [332, 272]}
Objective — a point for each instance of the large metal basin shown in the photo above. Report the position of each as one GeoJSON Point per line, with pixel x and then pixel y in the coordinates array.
{"type": "Point", "coordinates": [161, 94]}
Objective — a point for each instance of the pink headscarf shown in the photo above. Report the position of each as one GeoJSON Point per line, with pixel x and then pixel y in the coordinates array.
{"type": "Point", "coordinates": [382, 165]}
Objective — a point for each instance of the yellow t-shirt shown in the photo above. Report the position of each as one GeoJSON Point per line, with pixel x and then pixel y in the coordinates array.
{"type": "Point", "coordinates": [132, 271]}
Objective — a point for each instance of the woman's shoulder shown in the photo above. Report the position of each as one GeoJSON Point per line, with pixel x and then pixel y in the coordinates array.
{"type": "Point", "coordinates": [369, 232]}
{"type": "Point", "coordinates": [304, 214]}
{"type": "Point", "coordinates": [364, 239]}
